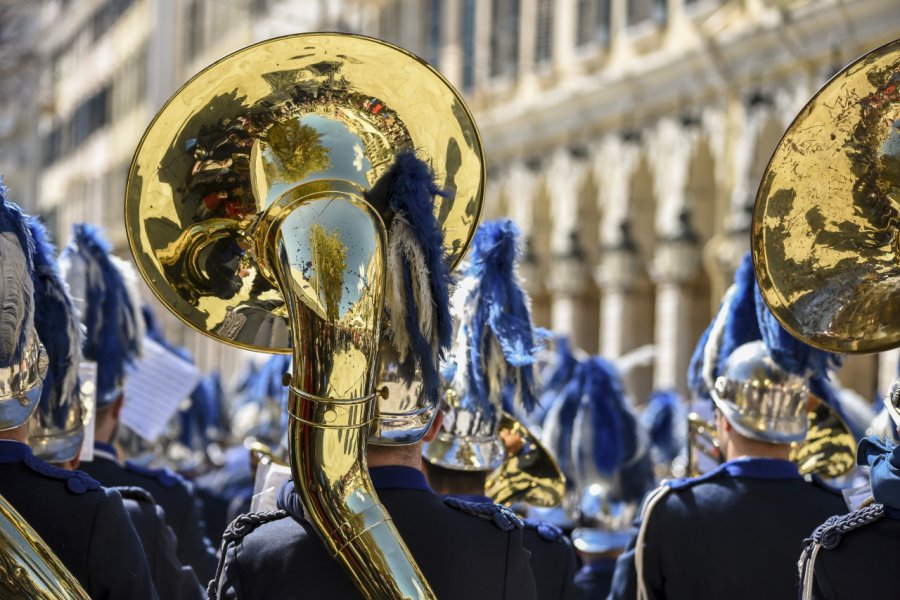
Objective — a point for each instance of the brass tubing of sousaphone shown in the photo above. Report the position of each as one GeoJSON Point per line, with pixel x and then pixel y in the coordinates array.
{"type": "Point", "coordinates": [330, 245]}
{"type": "Point", "coordinates": [28, 568]}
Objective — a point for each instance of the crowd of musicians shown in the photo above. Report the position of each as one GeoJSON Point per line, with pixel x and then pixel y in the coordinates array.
{"type": "Point", "coordinates": [634, 514]}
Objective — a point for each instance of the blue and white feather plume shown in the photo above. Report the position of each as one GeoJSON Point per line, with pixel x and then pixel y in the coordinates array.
{"type": "Point", "coordinates": [17, 292]}
{"type": "Point", "coordinates": [496, 343]}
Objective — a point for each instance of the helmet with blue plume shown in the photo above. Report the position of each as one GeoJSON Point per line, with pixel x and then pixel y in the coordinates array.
{"type": "Point", "coordinates": [492, 356]}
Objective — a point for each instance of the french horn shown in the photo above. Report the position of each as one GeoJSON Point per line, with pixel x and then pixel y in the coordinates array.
{"type": "Point", "coordinates": [528, 473]}
{"type": "Point", "coordinates": [28, 568]}
{"type": "Point", "coordinates": [246, 213]}
{"type": "Point", "coordinates": [828, 450]}
{"type": "Point", "coordinates": [825, 225]}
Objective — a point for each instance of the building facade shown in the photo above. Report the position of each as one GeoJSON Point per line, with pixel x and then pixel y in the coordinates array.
{"type": "Point", "coordinates": [625, 137]}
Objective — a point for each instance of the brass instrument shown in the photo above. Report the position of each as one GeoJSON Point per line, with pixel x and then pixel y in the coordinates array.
{"type": "Point", "coordinates": [825, 225]}
{"type": "Point", "coordinates": [246, 213]}
{"type": "Point", "coordinates": [28, 568]}
{"type": "Point", "coordinates": [828, 450]}
{"type": "Point", "coordinates": [529, 473]}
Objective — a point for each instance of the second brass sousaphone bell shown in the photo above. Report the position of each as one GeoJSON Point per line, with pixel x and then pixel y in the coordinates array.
{"type": "Point", "coordinates": [247, 213]}
{"type": "Point", "coordinates": [825, 226]}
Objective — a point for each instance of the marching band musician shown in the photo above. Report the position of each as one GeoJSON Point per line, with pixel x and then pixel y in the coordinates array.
{"type": "Point", "coordinates": [465, 550]}
{"type": "Point", "coordinates": [58, 431]}
{"type": "Point", "coordinates": [83, 523]}
{"type": "Point", "coordinates": [844, 557]}
{"type": "Point", "coordinates": [608, 453]}
{"type": "Point", "coordinates": [492, 360]}
{"type": "Point", "coordinates": [111, 314]}
{"type": "Point", "coordinates": [735, 531]}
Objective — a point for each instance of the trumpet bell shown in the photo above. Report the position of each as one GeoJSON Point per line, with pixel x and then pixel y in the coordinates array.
{"type": "Point", "coordinates": [528, 473]}
{"type": "Point", "coordinates": [304, 114]}
{"type": "Point", "coordinates": [826, 221]}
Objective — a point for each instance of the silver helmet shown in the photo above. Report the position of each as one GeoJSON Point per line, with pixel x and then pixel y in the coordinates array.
{"type": "Point", "coordinates": [493, 354]}
{"type": "Point", "coordinates": [23, 362]}
{"type": "Point", "coordinates": [56, 434]}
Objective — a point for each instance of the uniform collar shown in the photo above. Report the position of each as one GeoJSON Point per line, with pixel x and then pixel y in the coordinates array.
{"type": "Point", "coordinates": [761, 468]}
{"type": "Point", "coordinates": [600, 566]}
{"type": "Point", "coordinates": [107, 451]}
{"type": "Point", "coordinates": [399, 478]}
{"type": "Point", "coordinates": [477, 498]}
{"type": "Point", "coordinates": [12, 451]}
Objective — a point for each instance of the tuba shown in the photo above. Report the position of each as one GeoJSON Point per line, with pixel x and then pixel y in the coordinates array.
{"type": "Point", "coordinates": [827, 214]}
{"type": "Point", "coordinates": [528, 473]}
{"type": "Point", "coordinates": [28, 568]}
{"type": "Point", "coordinates": [247, 216]}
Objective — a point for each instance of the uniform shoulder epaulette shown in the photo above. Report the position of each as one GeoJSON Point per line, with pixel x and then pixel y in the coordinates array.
{"type": "Point", "coordinates": [132, 492]}
{"type": "Point", "coordinates": [502, 517]}
{"type": "Point", "coordinates": [546, 531]}
{"type": "Point", "coordinates": [237, 530]}
{"type": "Point", "coordinates": [828, 534]}
{"type": "Point", "coordinates": [165, 477]}
{"type": "Point", "coordinates": [77, 482]}
{"type": "Point", "coordinates": [686, 482]}
{"type": "Point", "coordinates": [246, 523]}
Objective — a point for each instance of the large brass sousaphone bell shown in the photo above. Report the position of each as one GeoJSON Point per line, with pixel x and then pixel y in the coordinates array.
{"type": "Point", "coordinates": [825, 226]}
{"type": "Point", "coordinates": [247, 215]}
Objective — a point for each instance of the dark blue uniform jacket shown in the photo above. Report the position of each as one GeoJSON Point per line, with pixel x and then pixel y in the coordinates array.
{"type": "Point", "coordinates": [595, 578]}
{"type": "Point", "coordinates": [175, 495]}
{"type": "Point", "coordinates": [84, 524]}
{"type": "Point", "coordinates": [736, 532]}
{"type": "Point", "coordinates": [463, 557]}
{"type": "Point", "coordinates": [172, 579]}
{"type": "Point", "coordinates": [553, 559]}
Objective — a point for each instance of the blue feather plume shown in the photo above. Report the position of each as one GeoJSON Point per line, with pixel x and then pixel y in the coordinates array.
{"type": "Point", "coordinates": [17, 291]}
{"type": "Point", "coordinates": [109, 313]}
{"type": "Point", "coordinates": [605, 399]}
{"type": "Point", "coordinates": [418, 296]}
{"type": "Point", "coordinates": [58, 326]}
{"type": "Point", "coordinates": [559, 426]}
{"type": "Point", "coordinates": [787, 351]}
{"type": "Point", "coordinates": [496, 333]}
{"type": "Point", "coordinates": [741, 325]}
{"type": "Point", "coordinates": [661, 418]}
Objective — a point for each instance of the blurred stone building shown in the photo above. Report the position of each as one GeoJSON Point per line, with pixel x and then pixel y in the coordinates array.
{"type": "Point", "coordinates": [626, 137]}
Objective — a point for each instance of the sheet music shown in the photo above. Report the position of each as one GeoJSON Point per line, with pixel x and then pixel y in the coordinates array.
{"type": "Point", "coordinates": [154, 388]}
{"type": "Point", "coordinates": [87, 378]}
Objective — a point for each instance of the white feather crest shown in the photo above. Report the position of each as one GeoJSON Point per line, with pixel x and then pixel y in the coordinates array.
{"type": "Point", "coordinates": [16, 297]}
{"type": "Point", "coordinates": [403, 244]}
{"type": "Point", "coordinates": [130, 279]}
{"type": "Point", "coordinates": [714, 342]}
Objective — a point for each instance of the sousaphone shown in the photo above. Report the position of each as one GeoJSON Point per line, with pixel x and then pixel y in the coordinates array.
{"type": "Point", "coordinates": [825, 225]}
{"type": "Point", "coordinates": [247, 213]}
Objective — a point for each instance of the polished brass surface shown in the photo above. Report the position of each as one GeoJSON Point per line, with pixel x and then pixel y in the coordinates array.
{"type": "Point", "coordinates": [284, 112]}
{"type": "Point", "coordinates": [21, 384]}
{"type": "Point", "coordinates": [28, 568]}
{"type": "Point", "coordinates": [826, 220]}
{"type": "Point", "coordinates": [828, 450]}
{"type": "Point", "coordinates": [246, 213]}
{"type": "Point", "coordinates": [529, 473]}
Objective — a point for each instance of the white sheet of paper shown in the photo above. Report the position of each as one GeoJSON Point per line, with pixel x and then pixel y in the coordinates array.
{"type": "Point", "coordinates": [154, 388]}
{"type": "Point", "coordinates": [269, 478]}
{"type": "Point", "coordinates": [87, 375]}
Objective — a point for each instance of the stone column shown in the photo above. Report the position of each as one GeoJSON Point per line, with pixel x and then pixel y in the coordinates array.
{"type": "Point", "coordinates": [614, 162]}
{"type": "Point", "coordinates": [675, 265]}
{"type": "Point", "coordinates": [677, 260]}
{"type": "Point", "coordinates": [618, 22]}
{"type": "Point", "coordinates": [568, 274]}
{"type": "Point", "coordinates": [451, 42]}
{"type": "Point", "coordinates": [564, 20]}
